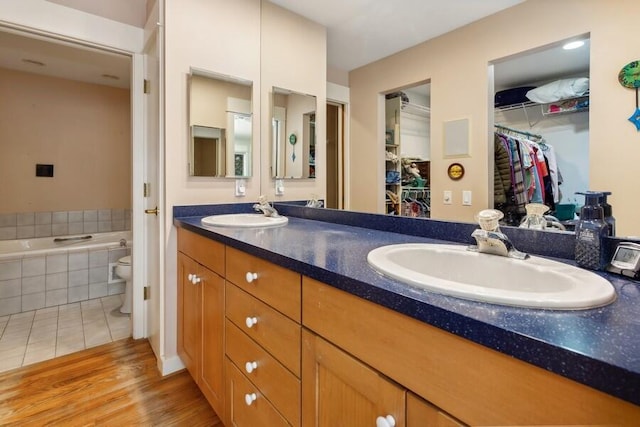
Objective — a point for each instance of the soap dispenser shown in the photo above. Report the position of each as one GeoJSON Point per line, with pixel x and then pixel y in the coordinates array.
{"type": "Point", "coordinates": [590, 233]}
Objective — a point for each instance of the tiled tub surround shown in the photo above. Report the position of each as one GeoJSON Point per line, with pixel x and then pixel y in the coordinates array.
{"type": "Point", "coordinates": [27, 225]}
{"type": "Point", "coordinates": [68, 273]}
{"type": "Point", "coordinates": [598, 347]}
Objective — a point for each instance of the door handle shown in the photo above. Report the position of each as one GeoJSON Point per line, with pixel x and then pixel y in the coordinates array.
{"type": "Point", "coordinates": [152, 211]}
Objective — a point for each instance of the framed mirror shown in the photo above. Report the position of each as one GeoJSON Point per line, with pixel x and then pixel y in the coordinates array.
{"type": "Point", "coordinates": [293, 134]}
{"type": "Point", "coordinates": [220, 125]}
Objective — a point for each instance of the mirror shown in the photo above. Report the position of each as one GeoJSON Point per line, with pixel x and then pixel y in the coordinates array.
{"type": "Point", "coordinates": [293, 134]}
{"type": "Point", "coordinates": [220, 125]}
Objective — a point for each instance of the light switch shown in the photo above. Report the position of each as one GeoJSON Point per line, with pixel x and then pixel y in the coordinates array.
{"type": "Point", "coordinates": [279, 187]}
{"type": "Point", "coordinates": [241, 189]}
{"type": "Point", "coordinates": [447, 197]}
{"type": "Point", "coordinates": [466, 197]}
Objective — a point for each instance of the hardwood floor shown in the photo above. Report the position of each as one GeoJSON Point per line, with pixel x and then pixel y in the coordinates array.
{"type": "Point", "coordinates": [116, 384]}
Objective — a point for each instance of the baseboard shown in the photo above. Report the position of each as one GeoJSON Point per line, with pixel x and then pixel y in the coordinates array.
{"type": "Point", "coordinates": [170, 365]}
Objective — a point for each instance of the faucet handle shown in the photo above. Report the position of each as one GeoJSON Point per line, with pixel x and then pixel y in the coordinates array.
{"type": "Point", "coordinates": [489, 219]}
{"type": "Point", "coordinates": [262, 199]}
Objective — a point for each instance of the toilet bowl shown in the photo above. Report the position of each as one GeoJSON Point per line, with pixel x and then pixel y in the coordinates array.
{"type": "Point", "coordinates": [123, 269]}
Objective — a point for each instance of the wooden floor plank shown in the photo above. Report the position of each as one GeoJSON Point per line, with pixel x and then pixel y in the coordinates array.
{"type": "Point", "coordinates": [116, 384]}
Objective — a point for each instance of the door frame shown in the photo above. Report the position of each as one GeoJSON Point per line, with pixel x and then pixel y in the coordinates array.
{"type": "Point", "coordinates": [339, 95]}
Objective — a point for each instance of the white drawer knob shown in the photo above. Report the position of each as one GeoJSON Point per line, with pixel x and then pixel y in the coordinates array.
{"type": "Point", "coordinates": [250, 321]}
{"type": "Point", "coordinates": [250, 366]}
{"type": "Point", "coordinates": [387, 421]}
{"type": "Point", "coordinates": [195, 279]}
{"type": "Point", "coordinates": [250, 398]}
{"type": "Point", "coordinates": [191, 276]}
{"type": "Point", "coordinates": [251, 277]}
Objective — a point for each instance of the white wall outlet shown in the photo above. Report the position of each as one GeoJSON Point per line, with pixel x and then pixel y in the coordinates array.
{"type": "Point", "coordinates": [447, 197]}
{"type": "Point", "coordinates": [279, 187]}
{"type": "Point", "coordinates": [466, 197]}
{"type": "Point", "coordinates": [241, 188]}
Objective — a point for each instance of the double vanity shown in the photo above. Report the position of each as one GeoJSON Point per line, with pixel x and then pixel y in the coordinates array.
{"type": "Point", "coordinates": [292, 324]}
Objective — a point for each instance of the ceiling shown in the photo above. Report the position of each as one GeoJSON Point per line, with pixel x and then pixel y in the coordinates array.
{"type": "Point", "coordinates": [358, 32]}
{"type": "Point", "coordinates": [362, 31]}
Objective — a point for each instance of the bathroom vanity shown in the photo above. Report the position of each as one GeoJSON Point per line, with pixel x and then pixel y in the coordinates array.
{"type": "Point", "coordinates": [290, 326]}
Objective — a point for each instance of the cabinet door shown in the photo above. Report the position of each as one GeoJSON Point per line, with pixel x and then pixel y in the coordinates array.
{"type": "Point", "coordinates": [189, 314]}
{"type": "Point", "coordinates": [339, 390]}
{"type": "Point", "coordinates": [211, 379]}
{"type": "Point", "coordinates": [422, 414]}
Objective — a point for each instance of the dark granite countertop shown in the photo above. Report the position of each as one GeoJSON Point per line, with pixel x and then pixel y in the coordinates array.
{"type": "Point", "coordinates": [597, 347]}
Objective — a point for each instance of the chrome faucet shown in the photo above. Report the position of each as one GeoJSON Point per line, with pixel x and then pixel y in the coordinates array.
{"type": "Point", "coordinates": [266, 208]}
{"type": "Point", "coordinates": [314, 202]}
{"type": "Point", "coordinates": [489, 238]}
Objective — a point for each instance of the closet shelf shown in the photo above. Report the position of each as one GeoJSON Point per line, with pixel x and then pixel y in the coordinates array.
{"type": "Point", "coordinates": [419, 110]}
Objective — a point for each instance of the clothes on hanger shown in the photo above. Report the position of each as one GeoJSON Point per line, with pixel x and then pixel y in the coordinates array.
{"type": "Point", "coordinates": [526, 171]}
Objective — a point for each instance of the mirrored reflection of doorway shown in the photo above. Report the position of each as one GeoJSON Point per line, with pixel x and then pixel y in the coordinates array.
{"type": "Point", "coordinates": [335, 145]}
{"type": "Point", "coordinates": [407, 153]}
{"type": "Point", "coordinates": [541, 100]}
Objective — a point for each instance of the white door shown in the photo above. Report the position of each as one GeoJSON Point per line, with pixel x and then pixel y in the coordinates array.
{"type": "Point", "coordinates": [153, 222]}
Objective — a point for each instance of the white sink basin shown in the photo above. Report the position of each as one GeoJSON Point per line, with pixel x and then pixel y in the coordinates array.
{"type": "Point", "coordinates": [533, 282]}
{"type": "Point", "coordinates": [244, 220]}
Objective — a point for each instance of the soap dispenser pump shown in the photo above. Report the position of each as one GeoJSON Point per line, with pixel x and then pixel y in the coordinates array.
{"type": "Point", "coordinates": [590, 233]}
{"type": "Point", "coordinates": [608, 213]}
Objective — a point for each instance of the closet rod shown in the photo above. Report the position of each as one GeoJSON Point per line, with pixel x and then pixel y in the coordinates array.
{"type": "Point", "coordinates": [533, 135]}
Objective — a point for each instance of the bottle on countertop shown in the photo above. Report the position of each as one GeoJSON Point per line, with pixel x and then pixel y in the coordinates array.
{"type": "Point", "coordinates": [590, 233]}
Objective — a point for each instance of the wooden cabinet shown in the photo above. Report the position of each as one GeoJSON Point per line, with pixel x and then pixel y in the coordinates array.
{"type": "Point", "coordinates": [339, 390]}
{"type": "Point", "coordinates": [472, 383]}
{"type": "Point", "coordinates": [263, 335]}
{"type": "Point", "coordinates": [421, 413]}
{"type": "Point", "coordinates": [189, 315]}
{"type": "Point", "coordinates": [351, 361]}
{"type": "Point", "coordinates": [201, 313]}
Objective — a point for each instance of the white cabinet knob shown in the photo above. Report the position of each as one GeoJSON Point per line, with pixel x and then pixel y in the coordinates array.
{"type": "Point", "coordinates": [250, 398]}
{"type": "Point", "coordinates": [387, 421]}
{"type": "Point", "coordinates": [191, 276]}
{"type": "Point", "coordinates": [251, 276]}
{"type": "Point", "coordinates": [194, 279]}
{"type": "Point", "coordinates": [250, 321]}
{"type": "Point", "coordinates": [250, 366]}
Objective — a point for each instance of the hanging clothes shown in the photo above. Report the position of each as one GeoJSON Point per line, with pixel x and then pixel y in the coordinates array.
{"type": "Point", "coordinates": [532, 175]}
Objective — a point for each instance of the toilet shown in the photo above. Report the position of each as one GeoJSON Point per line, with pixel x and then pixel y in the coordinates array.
{"type": "Point", "coordinates": [123, 269]}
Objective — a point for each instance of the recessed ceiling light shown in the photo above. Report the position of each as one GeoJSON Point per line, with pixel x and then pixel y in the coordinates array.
{"type": "Point", "coordinates": [573, 45]}
{"type": "Point", "coordinates": [34, 62]}
{"type": "Point", "coordinates": [111, 77]}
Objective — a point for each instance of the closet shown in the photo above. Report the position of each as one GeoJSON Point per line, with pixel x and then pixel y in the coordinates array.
{"type": "Point", "coordinates": [407, 152]}
{"type": "Point", "coordinates": [541, 131]}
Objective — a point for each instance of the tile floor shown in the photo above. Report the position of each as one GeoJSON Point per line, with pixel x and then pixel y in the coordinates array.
{"type": "Point", "coordinates": [38, 335]}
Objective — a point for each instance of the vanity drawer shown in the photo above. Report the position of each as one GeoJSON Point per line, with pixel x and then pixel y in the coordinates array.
{"type": "Point", "coordinates": [273, 380]}
{"type": "Point", "coordinates": [278, 334]}
{"type": "Point", "coordinates": [205, 251]}
{"type": "Point", "coordinates": [275, 285]}
{"type": "Point", "coordinates": [257, 412]}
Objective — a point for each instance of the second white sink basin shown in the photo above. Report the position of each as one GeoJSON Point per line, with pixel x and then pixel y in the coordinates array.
{"type": "Point", "coordinates": [533, 282]}
{"type": "Point", "coordinates": [244, 220]}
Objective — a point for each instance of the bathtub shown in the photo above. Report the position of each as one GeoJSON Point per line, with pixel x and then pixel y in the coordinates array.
{"type": "Point", "coordinates": [47, 245]}
{"type": "Point", "coordinates": [52, 271]}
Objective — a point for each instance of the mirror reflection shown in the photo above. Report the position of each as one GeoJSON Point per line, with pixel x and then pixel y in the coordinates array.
{"type": "Point", "coordinates": [220, 123]}
{"type": "Point", "coordinates": [541, 132]}
{"type": "Point", "coordinates": [293, 134]}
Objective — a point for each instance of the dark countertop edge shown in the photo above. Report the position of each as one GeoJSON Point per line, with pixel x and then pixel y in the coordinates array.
{"type": "Point", "coordinates": [579, 367]}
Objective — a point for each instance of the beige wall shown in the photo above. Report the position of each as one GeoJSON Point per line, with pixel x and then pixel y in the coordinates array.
{"type": "Point", "coordinates": [456, 64]}
{"type": "Point", "coordinates": [248, 39]}
{"type": "Point", "coordinates": [294, 57]}
{"type": "Point", "coordinates": [83, 129]}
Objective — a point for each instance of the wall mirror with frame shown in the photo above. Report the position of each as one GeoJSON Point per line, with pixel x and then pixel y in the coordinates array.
{"type": "Point", "coordinates": [293, 134]}
{"type": "Point", "coordinates": [220, 125]}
